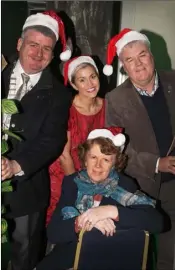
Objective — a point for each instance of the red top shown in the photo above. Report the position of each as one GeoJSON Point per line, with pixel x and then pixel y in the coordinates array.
{"type": "Point", "coordinates": [79, 126]}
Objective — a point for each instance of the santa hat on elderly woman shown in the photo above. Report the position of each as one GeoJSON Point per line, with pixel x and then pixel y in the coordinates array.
{"type": "Point", "coordinates": [117, 43]}
{"type": "Point", "coordinates": [71, 65]}
{"type": "Point", "coordinates": [52, 21]}
{"type": "Point", "coordinates": [113, 133]}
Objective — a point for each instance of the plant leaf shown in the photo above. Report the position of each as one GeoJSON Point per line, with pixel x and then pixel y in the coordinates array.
{"type": "Point", "coordinates": [2, 209]}
{"type": "Point", "coordinates": [6, 189]}
{"type": "Point", "coordinates": [11, 134]}
{"type": "Point", "coordinates": [4, 147]}
{"type": "Point", "coordinates": [8, 106]}
{"type": "Point", "coordinates": [6, 183]}
{"type": "Point", "coordinates": [6, 186]}
{"type": "Point", "coordinates": [3, 239]}
{"type": "Point", "coordinates": [3, 225]}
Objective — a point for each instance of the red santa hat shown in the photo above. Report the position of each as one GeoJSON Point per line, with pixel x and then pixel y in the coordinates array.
{"type": "Point", "coordinates": [112, 133]}
{"type": "Point", "coordinates": [71, 65]}
{"type": "Point", "coordinates": [51, 20]}
{"type": "Point", "coordinates": [117, 43]}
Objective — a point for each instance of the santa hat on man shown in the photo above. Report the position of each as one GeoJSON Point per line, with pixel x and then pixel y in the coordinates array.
{"type": "Point", "coordinates": [71, 65]}
{"type": "Point", "coordinates": [117, 43]}
{"type": "Point", "coordinates": [51, 20]}
{"type": "Point", "coordinates": [112, 133]}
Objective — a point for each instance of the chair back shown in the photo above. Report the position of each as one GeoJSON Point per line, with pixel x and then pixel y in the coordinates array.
{"type": "Point", "coordinates": [126, 250]}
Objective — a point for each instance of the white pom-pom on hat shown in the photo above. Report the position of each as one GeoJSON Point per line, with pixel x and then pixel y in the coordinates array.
{"type": "Point", "coordinates": [119, 140]}
{"type": "Point", "coordinates": [108, 70]}
{"type": "Point", "coordinates": [64, 56]}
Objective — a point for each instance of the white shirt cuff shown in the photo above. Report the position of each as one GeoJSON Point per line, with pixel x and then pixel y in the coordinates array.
{"type": "Point", "coordinates": [21, 173]}
{"type": "Point", "coordinates": [157, 166]}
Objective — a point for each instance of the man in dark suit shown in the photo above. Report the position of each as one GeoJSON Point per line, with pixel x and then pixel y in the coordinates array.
{"type": "Point", "coordinates": [42, 124]}
{"type": "Point", "coordinates": [144, 106]}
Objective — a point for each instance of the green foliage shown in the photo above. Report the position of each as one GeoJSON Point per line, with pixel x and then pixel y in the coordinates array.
{"type": "Point", "coordinates": [11, 134]}
{"type": "Point", "coordinates": [8, 107]}
{"type": "Point", "coordinates": [4, 147]}
{"type": "Point", "coordinates": [6, 186]}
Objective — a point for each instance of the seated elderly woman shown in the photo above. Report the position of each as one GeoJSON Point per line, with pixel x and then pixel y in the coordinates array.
{"type": "Point", "coordinates": [95, 199]}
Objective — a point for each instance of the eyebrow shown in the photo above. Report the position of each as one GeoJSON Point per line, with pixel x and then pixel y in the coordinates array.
{"type": "Point", "coordinates": [142, 52]}
{"type": "Point", "coordinates": [85, 77]}
{"type": "Point", "coordinates": [30, 42]}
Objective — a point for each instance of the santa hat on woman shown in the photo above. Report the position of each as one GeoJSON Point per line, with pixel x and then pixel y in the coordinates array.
{"type": "Point", "coordinates": [71, 65]}
{"type": "Point", "coordinates": [51, 20]}
{"type": "Point", "coordinates": [117, 43]}
{"type": "Point", "coordinates": [112, 133]}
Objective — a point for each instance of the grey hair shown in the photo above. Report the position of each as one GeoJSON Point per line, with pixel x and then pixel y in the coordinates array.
{"type": "Point", "coordinates": [80, 66]}
{"type": "Point", "coordinates": [42, 29]}
{"type": "Point", "coordinates": [137, 41]}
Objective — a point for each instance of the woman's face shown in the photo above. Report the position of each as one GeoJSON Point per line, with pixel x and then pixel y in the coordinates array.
{"type": "Point", "coordinates": [86, 82]}
{"type": "Point", "coordinates": [98, 165]}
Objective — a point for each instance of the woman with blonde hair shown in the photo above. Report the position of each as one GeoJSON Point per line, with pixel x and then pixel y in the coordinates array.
{"type": "Point", "coordinates": [86, 113]}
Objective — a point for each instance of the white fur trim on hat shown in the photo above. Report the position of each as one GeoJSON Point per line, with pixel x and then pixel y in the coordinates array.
{"type": "Point", "coordinates": [118, 140]}
{"type": "Point", "coordinates": [44, 20]}
{"type": "Point", "coordinates": [79, 60]}
{"type": "Point", "coordinates": [108, 70]}
{"type": "Point", "coordinates": [129, 37]}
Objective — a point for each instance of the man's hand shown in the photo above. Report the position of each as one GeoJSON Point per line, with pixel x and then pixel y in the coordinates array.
{"type": "Point", "coordinates": [9, 168]}
{"type": "Point", "coordinates": [167, 164]}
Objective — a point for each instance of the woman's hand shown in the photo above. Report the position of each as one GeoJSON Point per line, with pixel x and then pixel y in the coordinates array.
{"type": "Point", "coordinates": [96, 214]}
{"type": "Point", "coordinates": [67, 164]}
{"type": "Point", "coordinates": [106, 227]}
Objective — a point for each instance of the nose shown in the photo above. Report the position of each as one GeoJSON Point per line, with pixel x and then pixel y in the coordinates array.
{"type": "Point", "coordinates": [98, 163]}
{"type": "Point", "coordinates": [137, 62]}
{"type": "Point", "coordinates": [40, 52]}
{"type": "Point", "coordinates": [90, 83]}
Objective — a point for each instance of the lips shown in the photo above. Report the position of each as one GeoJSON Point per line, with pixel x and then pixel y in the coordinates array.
{"type": "Point", "coordinates": [91, 90]}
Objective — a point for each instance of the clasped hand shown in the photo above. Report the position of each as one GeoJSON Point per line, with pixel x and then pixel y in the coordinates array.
{"type": "Point", "coordinates": [9, 168]}
{"type": "Point", "coordinates": [99, 217]}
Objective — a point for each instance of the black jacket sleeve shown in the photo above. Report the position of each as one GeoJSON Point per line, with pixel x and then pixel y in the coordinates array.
{"type": "Point", "coordinates": [50, 141]}
{"type": "Point", "coordinates": [141, 217]}
{"type": "Point", "coordinates": [60, 230]}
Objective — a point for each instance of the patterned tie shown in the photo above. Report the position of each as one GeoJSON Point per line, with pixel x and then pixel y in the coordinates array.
{"type": "Point", "coordinates": [23, 88]}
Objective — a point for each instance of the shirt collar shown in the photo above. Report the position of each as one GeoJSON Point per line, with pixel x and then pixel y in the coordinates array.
{"type": "Point", "coordinates": [34, 78]}
{"type": "Point", "coordinates": [143, 92]}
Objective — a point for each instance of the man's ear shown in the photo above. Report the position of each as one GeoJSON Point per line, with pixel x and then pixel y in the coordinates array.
{"type": "Point", "coordinates": [19, 44]}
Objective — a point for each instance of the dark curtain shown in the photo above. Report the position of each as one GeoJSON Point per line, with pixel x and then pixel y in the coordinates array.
{"type": "Point", "coordinates": [91, 24]}
{"type": "Point", "coordinates": [13, 15]}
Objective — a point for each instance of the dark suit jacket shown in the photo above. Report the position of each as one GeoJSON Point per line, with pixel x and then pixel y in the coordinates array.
{"type": "Point", "coordinates": [62, 232]}
{"type": "Point", "coordinates": [124, 108]}
{"type": "Point", "coordinates": [42, 124]}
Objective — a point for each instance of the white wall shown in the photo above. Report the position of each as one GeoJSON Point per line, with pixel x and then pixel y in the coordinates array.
{"type": "Point", "coordinates": [154, 16]}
